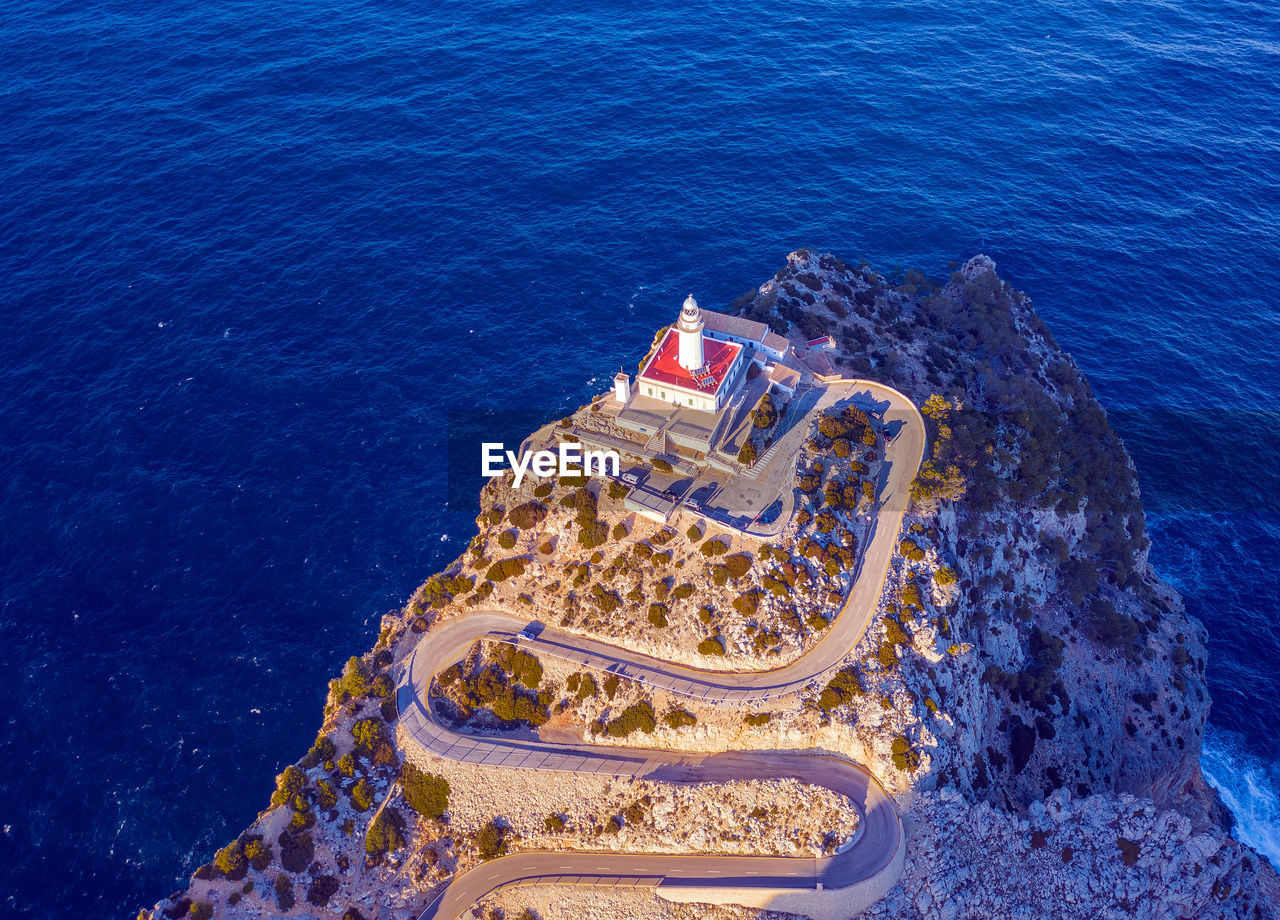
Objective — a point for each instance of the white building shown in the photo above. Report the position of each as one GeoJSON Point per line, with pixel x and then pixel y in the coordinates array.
{"type": "Point", "coordinates": [692, 368]}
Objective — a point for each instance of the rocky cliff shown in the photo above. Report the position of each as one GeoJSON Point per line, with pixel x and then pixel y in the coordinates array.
{"type": "Point", "coordinates": [1029, 689]}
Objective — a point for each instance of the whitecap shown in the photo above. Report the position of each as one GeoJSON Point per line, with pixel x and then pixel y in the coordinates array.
{"type": "Point", "coordinates": [1249, 786]}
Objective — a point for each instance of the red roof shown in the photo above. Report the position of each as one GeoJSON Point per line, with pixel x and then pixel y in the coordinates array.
{"type": "Point", "coordinates": [664, 367]}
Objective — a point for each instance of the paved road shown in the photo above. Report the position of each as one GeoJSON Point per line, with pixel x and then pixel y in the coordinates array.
{"type": "Point", "coordinates": [880, 834]}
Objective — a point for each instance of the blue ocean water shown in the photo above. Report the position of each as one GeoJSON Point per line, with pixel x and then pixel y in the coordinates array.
{"type": "Point", "coordinates": [252, 254]}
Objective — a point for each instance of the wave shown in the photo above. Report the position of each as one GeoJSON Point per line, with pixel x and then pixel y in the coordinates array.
{"type": "Point", "coordinates": [1249, 786]}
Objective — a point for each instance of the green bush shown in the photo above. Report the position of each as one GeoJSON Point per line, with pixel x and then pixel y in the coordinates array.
{"type": "Point", "coordinates": [843, 687]}
{"type": "Point", "coordinates": [288, 784]}
{"type": "Point", "coordinates": [904, 756]}
{"type": "Point", "coordinates": [386, 833]}
{"type": "Point", "coordinates": [368, 734]}
{"type": "Point", "coordinates": [910, 550]}
{"type": "Point", "coordinates": [683, 592]}
{"type": "Point", "coordinates": [714, 548]}
{"type": "Point", "coordinates": [361, 795]}
{"type": "Point", "coordinates": [618, 491]}
{"type": "Point", "coordinates": [543, 490]}
{"type": "Point", "coordinates": [757, 719]}
{"type": "Point", "coordinates": [658, 615]}
{"type": "Point", "coordinates": [507, 568]}
{"type": "Point", "coordinates": [354, 682]}
{"type": "Point", "coordinates": [944, 576]}
{"type": "Point", "coordinates": [426, 793]}
{"type": "Point", "coordinates": [619, 531]}
{"type": "Point", "coordinates": [739, 564]}
{"type": "Point", "coordinates": [636, 717]}
{"type": "Point", "coordinates": [230, 859]}
{"type": "Point", "coordinates": [555, 824]}
{"type": "Point", "coordinates": [284, 892]}
{"type": "Point", "coordinates": [258, 853]}
{"type": "Point", "coordinates": [661, 465]}
{"type": "Point", "coordinates": [321, 889]}
{"type": "Point", "coordinates": [200, 910]}
{"type": "Point", "coordinates": [529, 515]}
{"type": "Point", "coordinates": [507, 539]}
{"type": "Point", "coordinates": [610, 685]}
{"type": "Point", "coordinates": [679, 718]}
{"type": "Point", "coordinates": [694, 533]}
{"type": "Point", "coordinates": [491, 841]}
{"type": "Point", "coordinates": [747, 604]}
{"type": "Point", "coordinates": [887, 655]}
{"type": "Point", "coordinates": [748, 454]}
{"type": "Point", "coordinates": [523, 666]}
{"type": "Point", "coordinates": [711, 646]}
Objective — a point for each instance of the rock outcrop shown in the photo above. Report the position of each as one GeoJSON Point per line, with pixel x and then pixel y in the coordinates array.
{"type": "Point", "coordinates": [1029, 689]}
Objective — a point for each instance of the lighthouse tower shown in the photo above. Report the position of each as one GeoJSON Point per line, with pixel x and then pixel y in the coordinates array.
{"type": "Point", "coordinates": [690, 329]}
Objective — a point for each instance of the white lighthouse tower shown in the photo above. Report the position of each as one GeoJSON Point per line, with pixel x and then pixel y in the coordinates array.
{"type": "Point", "coordinates": [690, 329]}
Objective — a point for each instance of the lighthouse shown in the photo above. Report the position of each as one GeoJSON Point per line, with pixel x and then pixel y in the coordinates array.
{"type": "Point", "coordinates": [690, 329]}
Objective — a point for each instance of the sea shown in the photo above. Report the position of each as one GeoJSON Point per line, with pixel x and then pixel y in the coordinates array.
{"type": "Point", "coordinates": [263, 265]}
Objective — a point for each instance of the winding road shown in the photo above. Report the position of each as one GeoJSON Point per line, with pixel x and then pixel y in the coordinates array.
{"type": "Point", "coordinates": [790, 883]}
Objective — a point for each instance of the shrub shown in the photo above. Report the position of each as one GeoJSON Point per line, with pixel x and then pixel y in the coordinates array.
{"type": "Point", "coordinates": [619, 531]}
{"type": "Point", "coordinates": [528, 515]}
{"type": "Point", "coordinates": [658, 615]}
{"type": "Point", "coordinates": [679, 718]}
{"type": "Point", "coordinates": [543, 490]}
{"type": "Point", "coordinates": [825, 522]}
{"type": "Point", "coordinates": [386, 833]}
{"type": "Point", "coordinates": [661, 465]}
{"type": "Point", "coordinates": [200, 910]}
{"type": "Point", "coordinates": [326, 796]}
{"type": "Point", "coordinates": [944, 576]}
{"type": "Point", "coordinates": [817, 621]}
{"type": "Point", "coordinates": [523, 666]}
{"type": "Point", "coordinates": [546, 548]}
{"type": "Point", "coordinates": [288, 784]}
{"type": "Point", "coordinates": [711, 646]}
{"type": "Point", "coordinates": [296, 851]}
{"type": "Point", "coordinates": [682, 592]}
{"type": "Point", "coordinates": [637, 716]}
{"type": "Point", "coordinates": [888, 655]}
{"type": "Point", "coordinates": [322, 888]}
{"type": "Point", "coordinates": [507, 568]}
{"type": "Point", "coordinates": [284, 892]}
{"type": "Point", "coordinates": [258, 853]}
{"type": "Point", "coordinates": [354, 681]}
{"type": "Point", "coordinates": [893, 632]}
{"type": "Point", "coordinates": [230, 859]}
{"type": "Point", "coordinates": [426, 793]}
{"type": "Point", "coordinates": [694, 533]}
{"type": "Point", "coordinates": [491, 841]}
{"type": "Point", "coordinates": [361, 795]}
{"type": "Point", "coordinates": [586, 687]}
{"type": "Point", "coordinates": [610, 685]}
{"type": "Point", "coordinates": [715, 547]}
{"type": "Point", "coordinates": [747, 604]}
{"type": "Point", "coordinates": [739, 564]}
{"type": "Point", "coordinates": [910, 550]}
{"type": "Point", "coordinates": [904, 756]}
{"type": "Point", "coordinates": [844, 686]}
{"type": "Point", "coordinates": [347, 765]}
{"type": "Point", "coordinates": [757, 719]}
{"type": "Point", "coordinates": [747, 454]}
{"type": "Point", "coordinates": [368, 734]}
{"type": "Point", "coordinates": [618, 490]}
{"type": "Point", "coordinates": [507, 539]}
{"type": "Point", "coordinates": [555, 824]}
